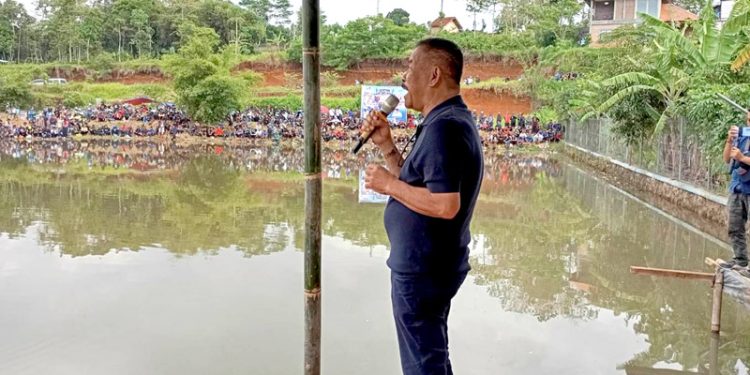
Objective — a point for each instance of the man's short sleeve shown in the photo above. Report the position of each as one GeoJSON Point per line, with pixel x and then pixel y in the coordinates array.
{"type": "Point", "coordinates": [440, 163]}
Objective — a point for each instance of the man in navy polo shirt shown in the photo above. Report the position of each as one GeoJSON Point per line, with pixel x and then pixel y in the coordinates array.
{"type": "Point", "coordinates": [433, 192]}
{"type": "Point", "coordinates": [738, 204]}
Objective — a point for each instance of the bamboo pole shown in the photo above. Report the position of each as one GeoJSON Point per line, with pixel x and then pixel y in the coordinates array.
{"type": "Point", "coordinates": [713, 356]}
{"type": "Point", "coordinates": [671, 273]}
{"type": "Point", "coordinates": [313, 182]}
{"type": "Point", "coordinates": [716, 305]}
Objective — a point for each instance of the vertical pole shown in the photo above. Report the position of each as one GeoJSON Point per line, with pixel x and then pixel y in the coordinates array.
{"type": "Point", "coordinates": [313, 182]}
{"type": "Point", "coordinates": [713, 354]}
{"type": "Point", "coordinates": [681, 151]}
{"type": "Point", "coordinates": [716, 305]}
{"type": "Point", "coordinates": [640, 153]}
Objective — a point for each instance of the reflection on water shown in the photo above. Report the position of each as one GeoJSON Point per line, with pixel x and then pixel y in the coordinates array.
{"type": "Point", "coordinates": [145, 155]}
{"type": "Point", "coordinates": [550, 256]}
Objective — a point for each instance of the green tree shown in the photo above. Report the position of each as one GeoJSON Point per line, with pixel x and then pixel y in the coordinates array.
{"type": "Point", "coordinates": [477, 6]}
{"type": "Point", "coordinates": [14, 24]}
{"type": "Point", "coordinates": [62, 19]}
{"type": "Point", "coordinates": [213, 98]}
{"type": "Point", "coordinates": [261, 8]}
{"type": "Point", "coordinates": [131, 24]}
{"type": "Point", "coordinates": [92, 28]}
{"type": "Point", "coordinates": [364, 38]}
{"type": "Point", "coordinates": [399, 16]}
{"type": "Point", "coordinates": [142, 39]}
{"type": "Point", "coordinates": [738, 21]}
{"type": "Point", "coordinates": [202, 77]}
{"type": "Point", "coordinates": [15, 90]}
{"type": "Point", "coordinates": [281, 12]}
{"type": "Point", "coordinates": [680, 62]}
{"type": "Point", "coordinates": [694, 6]}
{"type": "Point", "coordinates": [548, 21]}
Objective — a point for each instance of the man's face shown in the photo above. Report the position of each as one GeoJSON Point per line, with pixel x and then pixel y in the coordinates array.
{"type": "Point", "coordinates": [415, 80]}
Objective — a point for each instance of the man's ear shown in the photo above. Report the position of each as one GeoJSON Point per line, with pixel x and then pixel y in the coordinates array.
{"type": "Point", "coordinates": [435, 76]}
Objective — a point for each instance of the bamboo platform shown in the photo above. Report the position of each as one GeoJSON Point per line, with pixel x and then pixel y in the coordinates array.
{"type": "Point", "coordinates": [739, 285]}
{"type": "Point", "coordinates": [722, 281]}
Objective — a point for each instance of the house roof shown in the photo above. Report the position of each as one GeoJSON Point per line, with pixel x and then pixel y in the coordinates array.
{"type": "Point", "coordinates": [674, 13]}
{"type": "Point", "coordinates": [442, 21]}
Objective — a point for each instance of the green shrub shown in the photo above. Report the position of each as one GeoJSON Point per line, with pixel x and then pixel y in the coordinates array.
{"type": "Point", "coordinates": [294, 102]}
{"type": "Point", "coordinates": [103, 64]}
{"type": "Point", "coordinates": [289, 101]}
{"type": "Point", "coordinates": [77, 99]}
{"type": "Point", "coordinates": [213, 98]}
{"type": "Point", "coordinates": [252, 78]}
{"type": "Point", "coordinates": [16, 94]}
{"type": "Point", "coordinates": [343, 103]}
{"type": "Point", "coordinates": [329, 78]}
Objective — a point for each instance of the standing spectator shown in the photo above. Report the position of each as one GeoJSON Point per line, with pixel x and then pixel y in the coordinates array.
{"type": "Point", "coordinates": [739, 195]}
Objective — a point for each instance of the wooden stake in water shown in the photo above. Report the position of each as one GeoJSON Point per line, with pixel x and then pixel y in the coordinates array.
{"type": "Point", "coordinates": [716, 301]}
{"type": "Point", "coordinates": [313, 183]}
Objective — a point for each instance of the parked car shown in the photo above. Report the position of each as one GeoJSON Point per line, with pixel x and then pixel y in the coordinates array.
{"type": "Point", "coordinates": [50, 81]}
{"type": "Point", "coordinates": [57, 81]}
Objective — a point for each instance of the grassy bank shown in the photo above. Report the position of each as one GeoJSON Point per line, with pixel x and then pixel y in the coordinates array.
{"type": "Point", "coordinates": [78, 94]}
{"type": "Point", "coordinates": [82, 93]}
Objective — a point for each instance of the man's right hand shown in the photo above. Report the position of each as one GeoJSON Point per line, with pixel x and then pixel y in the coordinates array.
{"type": "Point", "coordinates": [733, 131]}
{"type": "Point", "coordinates": [378, 124]}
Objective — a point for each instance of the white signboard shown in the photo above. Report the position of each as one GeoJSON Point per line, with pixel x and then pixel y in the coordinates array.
{"type": "Point", "coordinates": [367, 195]}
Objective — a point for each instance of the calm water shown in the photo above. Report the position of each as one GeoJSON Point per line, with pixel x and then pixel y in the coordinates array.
{"type": "Point", "coordinates": [195, 267]}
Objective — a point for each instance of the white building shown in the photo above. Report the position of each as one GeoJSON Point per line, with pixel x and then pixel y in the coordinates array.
{"type": "Point", "coordinates": [723, 8]}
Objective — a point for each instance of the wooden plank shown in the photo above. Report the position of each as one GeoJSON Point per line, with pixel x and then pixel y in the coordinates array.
{"type": "Point", "coordinates": [671, 273]}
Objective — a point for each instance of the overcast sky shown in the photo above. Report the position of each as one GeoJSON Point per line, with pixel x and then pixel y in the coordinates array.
{"type": "Point", "coordinates": [342, 11]}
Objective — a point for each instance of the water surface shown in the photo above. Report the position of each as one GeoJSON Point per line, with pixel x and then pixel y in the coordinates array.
{"type": "Point", "coordinates": [142, 258]}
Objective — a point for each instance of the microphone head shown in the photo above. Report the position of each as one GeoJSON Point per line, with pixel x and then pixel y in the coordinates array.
{"type": "Point", "coordinates": [389, 104]}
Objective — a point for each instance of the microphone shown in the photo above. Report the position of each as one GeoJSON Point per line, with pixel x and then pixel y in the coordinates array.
{"type": "Point", "coordinates": [385, 108]}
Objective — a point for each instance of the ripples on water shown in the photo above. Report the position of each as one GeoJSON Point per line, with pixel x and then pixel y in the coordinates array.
{"type": "Point", "coordinates": [138, 257]}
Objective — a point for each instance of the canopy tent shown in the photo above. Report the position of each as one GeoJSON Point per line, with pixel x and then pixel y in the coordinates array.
{"type": "Point", "coordinates": [138, 101]}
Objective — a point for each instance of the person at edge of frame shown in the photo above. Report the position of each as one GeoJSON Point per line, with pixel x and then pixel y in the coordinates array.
{"type": "Point", "coordinates": [737, 151]}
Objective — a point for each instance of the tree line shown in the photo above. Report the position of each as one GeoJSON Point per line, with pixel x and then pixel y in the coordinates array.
{"type": "Point", "coordinates": [77, 30]}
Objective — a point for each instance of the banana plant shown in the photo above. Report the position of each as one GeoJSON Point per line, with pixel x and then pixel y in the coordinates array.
{"type": "Point", "coordinates": [739, 20]}
{"type": "Point", "coordinates": [700, 50]}
{"type": "Point", "coordinates": [585, 103]}
{"type": "Point", "coordinates": [668, 83]}
{"type": "Point", "coordinates": [706, 48]}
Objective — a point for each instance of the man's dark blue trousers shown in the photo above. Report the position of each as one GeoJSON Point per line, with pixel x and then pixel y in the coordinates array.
{"type": "Point", "coordinates": [421, 303]}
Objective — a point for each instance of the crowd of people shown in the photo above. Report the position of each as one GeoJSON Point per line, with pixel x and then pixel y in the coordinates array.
{"type": "Point", "coordinates": [167, 120]}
